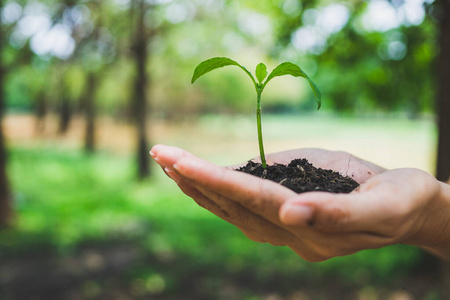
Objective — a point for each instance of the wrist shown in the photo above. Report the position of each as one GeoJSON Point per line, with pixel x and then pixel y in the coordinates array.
{"type": "Point", "coordinates": [436, 231]}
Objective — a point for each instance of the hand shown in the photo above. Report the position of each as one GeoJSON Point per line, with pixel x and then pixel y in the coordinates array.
{"type": "Point", "coordinates": [399, 206]}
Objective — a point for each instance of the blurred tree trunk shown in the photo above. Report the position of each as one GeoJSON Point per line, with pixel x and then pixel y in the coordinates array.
{"type": "Point", "coordinates": [89, 109]}
{"type": "Point", "coordinates": [140, 89]}
{"type": "Point", "coordinates": [443, 111]}
{"type": "Point", "coordinates": [5, 192]}
{"type": "Point", "coordinates": [40, 110]}
{"type": "Point", "coordinates": [65, 110]}
{"type": "Point", "coordinates": [443, 100]}
{"type": "Point", "coordinates": [92, 80]}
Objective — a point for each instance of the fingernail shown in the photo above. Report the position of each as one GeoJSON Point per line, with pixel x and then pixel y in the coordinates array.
{"type": "Point", "coordinates": [153, 155]}
{"type": "Point", "coordinates": [172, 174]}
{"type": "Point", "coordinates": [295, 214]}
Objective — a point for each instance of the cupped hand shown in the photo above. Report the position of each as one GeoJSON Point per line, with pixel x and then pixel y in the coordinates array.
{"type": "Point", "coordinates": [389, 206]}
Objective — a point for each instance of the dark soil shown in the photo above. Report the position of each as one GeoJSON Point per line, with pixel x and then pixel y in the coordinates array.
{"type": "Point", "coordinates": [301, 176]}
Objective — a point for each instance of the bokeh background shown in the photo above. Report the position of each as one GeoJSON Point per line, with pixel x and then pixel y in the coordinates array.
{"type": "Point", "coordinates": [87, 87]}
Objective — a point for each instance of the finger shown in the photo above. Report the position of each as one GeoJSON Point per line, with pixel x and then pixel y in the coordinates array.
{"type": "Point", "coordinates": [209, 205]}
{"type": "Point", "coordinates": [248, 219]}
{"type": "Point", "coordinates": [311, 257]}
{"type": "Point", "coordinates": [197, 196]}
{"type": "Point", "coordinates": [335, 212]}
{"type": "Point", "coordinates": [252, 235]}
{"type": "Point", "coordinates": [332, 244]}
{"type": "Point", "coordinates": [325, 245]}
{"type": "Point", "coordinates": [203, 201]}
{"type": "Point", "coordinates": [169, 172]}
{"type": "Point", "coordinates": [166, 156]}
{"type": "Point", "coordinates": [262, 197]}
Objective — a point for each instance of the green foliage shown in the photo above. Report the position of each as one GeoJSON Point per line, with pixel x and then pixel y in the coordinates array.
{"type": "Point", "coordinates": [365, 69]}
{"type": "Point", "coordinates": [17, 91]}
{"type": "Point", "coordinates": [359, 66]}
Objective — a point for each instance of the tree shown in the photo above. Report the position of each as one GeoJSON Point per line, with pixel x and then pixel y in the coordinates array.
{"type": "Point", "coordinates": [443, 95]}
{"type": "Point", "coordinates": [141, 85]}
{"type": "Point", "coordinates": [40, 111]}
{"type": "Point", "coordinates": [443, 113]}
{"type": "Point", "coordinates": [94, 50]}
{"type": "Point", "coordinates": [89, 109]}
{"type": "Point", "coordinates": [92, 79]}
{"type": "Point", "coordinates": [5, 191]}
{"type": "Point", "coordinates": [65, 107]}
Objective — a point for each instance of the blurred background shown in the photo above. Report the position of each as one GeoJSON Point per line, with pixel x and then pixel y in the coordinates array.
{"type": "Point", "coordinates": [87, 87]}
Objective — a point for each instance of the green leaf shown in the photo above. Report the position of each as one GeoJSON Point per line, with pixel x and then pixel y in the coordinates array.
{"type": "Point", "coordinates": [261, 72]}
{"type": "Point", "coordinates": [288, 68]}
{"type": "Point", "coordinates": [212, 64]}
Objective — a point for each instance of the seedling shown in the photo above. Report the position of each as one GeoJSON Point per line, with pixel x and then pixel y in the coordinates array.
{"type": "Point", "coordinates": [285, 68]}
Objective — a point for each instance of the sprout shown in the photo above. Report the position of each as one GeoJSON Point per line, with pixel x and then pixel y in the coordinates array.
{"type": "Point", "coordinates": [285, 68]}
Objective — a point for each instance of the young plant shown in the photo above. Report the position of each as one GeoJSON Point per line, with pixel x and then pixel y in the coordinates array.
{"type": "Point", "coordinates": [285, 68]}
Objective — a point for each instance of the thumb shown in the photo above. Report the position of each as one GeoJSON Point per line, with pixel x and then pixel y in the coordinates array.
{"type": "Point", "coordinates": [330, 212]}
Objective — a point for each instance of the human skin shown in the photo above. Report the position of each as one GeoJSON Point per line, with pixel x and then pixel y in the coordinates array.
{"type": "Point", "coordinates": [407, 206]}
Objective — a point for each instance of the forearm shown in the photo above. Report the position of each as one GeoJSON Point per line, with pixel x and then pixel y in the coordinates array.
{"type": "Point", "coordinates": [438, 240]}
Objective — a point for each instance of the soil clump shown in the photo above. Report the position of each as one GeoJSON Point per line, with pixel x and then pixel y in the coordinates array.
{"type": "Point", "coordinates": [301, 176]}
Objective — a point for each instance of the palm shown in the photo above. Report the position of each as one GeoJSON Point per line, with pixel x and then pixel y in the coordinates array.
{"type": "Point", "coordinates": [342, 162]}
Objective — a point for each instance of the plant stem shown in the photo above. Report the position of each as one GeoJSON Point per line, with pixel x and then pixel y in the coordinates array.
{"type": "Point", "coordinates": [258, 122]}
